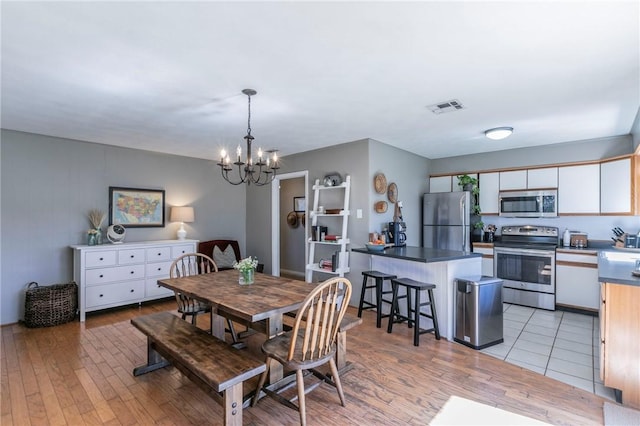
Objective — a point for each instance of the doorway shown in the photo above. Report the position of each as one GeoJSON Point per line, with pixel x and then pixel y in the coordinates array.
{"type": "Point", "coordinates": [288, 226]}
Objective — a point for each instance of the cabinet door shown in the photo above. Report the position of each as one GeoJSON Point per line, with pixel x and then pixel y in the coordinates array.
{"type": "Point", "coordinates": [489, 185]}
{"type": "Point", "coordinates": [440, 184]}
{"type": "Point", "coordinates": [579, 189]}
{"type": "Point", "coordinates": [615, 186]}
{"type": "Point", "coordinates": [542, 178]}
{"type": "Point", "coordinates": [577, 281]}
{"type": "Point", "coordinates": [516, 179]}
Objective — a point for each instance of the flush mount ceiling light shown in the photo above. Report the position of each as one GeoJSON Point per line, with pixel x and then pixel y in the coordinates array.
{"type": "Point", "coordinates": [498, 133]}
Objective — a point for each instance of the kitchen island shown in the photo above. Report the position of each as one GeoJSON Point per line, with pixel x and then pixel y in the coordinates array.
{"type": "Point", "coordinates": [620, 324]}
{"type": "Point", "coordinates": [435, 266]}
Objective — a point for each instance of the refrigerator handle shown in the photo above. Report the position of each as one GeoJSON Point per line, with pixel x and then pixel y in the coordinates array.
{"type": "Point", "coordinates": [463, 219]}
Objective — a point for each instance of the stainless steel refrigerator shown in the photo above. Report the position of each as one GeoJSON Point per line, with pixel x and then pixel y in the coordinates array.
{"type": "Point", "coordinates": [445, 220]}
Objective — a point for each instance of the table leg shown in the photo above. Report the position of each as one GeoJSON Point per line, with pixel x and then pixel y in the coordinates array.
{"type": "Point", "coordinates": [217, 325]}
{"type": "Point", "coordinates": [274, 327]}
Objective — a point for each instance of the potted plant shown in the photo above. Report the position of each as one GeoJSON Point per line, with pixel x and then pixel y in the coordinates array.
{"type": "Point", "coordinates": [469, 183]}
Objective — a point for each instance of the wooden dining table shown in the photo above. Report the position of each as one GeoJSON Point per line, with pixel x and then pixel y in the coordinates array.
{"type": "Point", "coordinates": [265, 301]}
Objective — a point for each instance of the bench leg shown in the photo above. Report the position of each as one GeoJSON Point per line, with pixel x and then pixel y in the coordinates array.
{"type": "Point", "coordinates": [155, 361]}
{"type": "Point", "coordinates": [232, 403]}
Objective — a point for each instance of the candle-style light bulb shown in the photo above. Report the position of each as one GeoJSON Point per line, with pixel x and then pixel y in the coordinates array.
{"type": "Point", "coordinates": [227, 160]}
{"type": "Point", "coordinates": [275, 158]}
{"type": "Point", "coordinates": [239, 151]}
{"type": "Point", "coordinates": [260, 153]}
{"type": "Point", "coordinates": [223, 154]}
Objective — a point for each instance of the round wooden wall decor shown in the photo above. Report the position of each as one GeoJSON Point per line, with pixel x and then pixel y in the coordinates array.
{"type": "Point", "coordinates": [392, 192]}
{"type": "Point", "coordinates": [380, 207]}
{"type": "Point", "coordinates": [380, 183]}
{"type": "Point", "coordinates": [292, 219]}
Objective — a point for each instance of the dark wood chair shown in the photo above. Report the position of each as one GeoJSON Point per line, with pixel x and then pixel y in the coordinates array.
{"type": "Point", "coordinates": [310, 344]}
{"type": "Point", "coordinates": [195, 264]}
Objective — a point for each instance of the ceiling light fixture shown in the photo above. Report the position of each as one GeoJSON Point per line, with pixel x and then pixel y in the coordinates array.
{"type": "Point", "coordinates": [247, 172]}
{"type": "Point", "coordinates": [498, 133]}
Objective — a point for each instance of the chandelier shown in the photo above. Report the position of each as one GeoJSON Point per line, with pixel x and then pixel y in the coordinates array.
{"type": "Point", "coordinates": [260, 172]}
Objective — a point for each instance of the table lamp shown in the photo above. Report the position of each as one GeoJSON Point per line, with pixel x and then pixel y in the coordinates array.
{"type": "Point", "coordinates": [182, 215]}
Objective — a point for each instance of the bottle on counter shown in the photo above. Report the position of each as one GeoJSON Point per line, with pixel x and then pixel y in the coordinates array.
{"type": "Point", "coordinates": [566, 238]}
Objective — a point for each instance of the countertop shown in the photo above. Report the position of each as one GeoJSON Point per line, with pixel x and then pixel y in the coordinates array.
{"type": "Point", "coordinates": [419, 254]}
{"type": "Point", "coordinates": [617, 270]}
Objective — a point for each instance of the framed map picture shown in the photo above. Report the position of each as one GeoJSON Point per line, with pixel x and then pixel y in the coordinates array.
{"type": "Point", "coordinates": [135, 207]}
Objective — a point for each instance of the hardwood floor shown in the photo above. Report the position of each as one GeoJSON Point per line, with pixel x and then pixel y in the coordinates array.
{"type": "Point", "coordinates": [82, 374]}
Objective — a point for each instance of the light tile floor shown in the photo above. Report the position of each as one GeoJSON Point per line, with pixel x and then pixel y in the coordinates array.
{"type": "Point", "coordinates": [557, 344]}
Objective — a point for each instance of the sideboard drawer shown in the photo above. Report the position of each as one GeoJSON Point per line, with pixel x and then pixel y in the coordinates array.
{"type": "Point", "coordinates": [158, 253]}
{"type": "Point", "coordinates": [152, 289]}
{"type": "Point", "coordinates": [96, 259]}
{"type": "Point", "coordinates": [117, 273]}
{"type": "Point", "coordinates": [130, 291]}
{"type": "Point", "coordinates": [158, 269]}
{"type": "Point", "coordinates": [178, 251]}
{"type": "Point", "coordinates": [127, 257]}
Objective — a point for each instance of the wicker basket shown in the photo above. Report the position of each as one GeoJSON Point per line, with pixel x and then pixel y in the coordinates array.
{"type": "Point", "coordinates": [50, 305]}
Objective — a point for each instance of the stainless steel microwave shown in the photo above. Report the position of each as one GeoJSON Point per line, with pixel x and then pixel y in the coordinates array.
{"type": "Point", "coordinates": [534, 203]}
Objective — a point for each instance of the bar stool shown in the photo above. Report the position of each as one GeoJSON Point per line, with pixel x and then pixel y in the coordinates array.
{"type": "Point", "coordinates": [379, 278]}
{"type": "Point", "coordinates": [413, 312]}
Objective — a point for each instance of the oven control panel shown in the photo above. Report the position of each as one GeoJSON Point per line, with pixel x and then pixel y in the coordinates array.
{"type": "Point", "coordinates": [530, 230]}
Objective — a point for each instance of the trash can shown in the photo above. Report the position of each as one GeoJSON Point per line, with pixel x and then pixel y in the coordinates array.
{"type": "Point", "coordinates": [478, 317]}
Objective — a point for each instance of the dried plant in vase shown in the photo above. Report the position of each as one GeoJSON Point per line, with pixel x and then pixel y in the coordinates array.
{"type": "Point", "coordinates": [96, 217]}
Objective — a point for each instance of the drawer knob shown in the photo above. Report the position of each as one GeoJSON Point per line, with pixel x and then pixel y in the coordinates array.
{"type": "Point", "coordinates": [159, 254]}
{"type": "Point", "coordinates": [102, 258]}
{"type": "Point", "coordinates": [132, 256]}
{"type": "Point", "coordinates": [101, 295]}
{"type": "Point", "coordinates": [132, 290]}
{"type": "Point", "coordinates": [159, 269]}
{"type": "Point", "coordinates": [133, 272]}
{"type": "Point", "coordinates": [101, 276]}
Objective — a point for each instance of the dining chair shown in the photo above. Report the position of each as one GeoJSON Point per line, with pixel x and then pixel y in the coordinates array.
{"type": "Point", "coordinates": [309, 344]}
{"type": "Point", "coordinates": [195, 264]}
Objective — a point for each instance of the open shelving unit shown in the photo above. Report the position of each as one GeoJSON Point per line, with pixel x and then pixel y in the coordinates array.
{"type": "Point", "coordinates": [339, 220]}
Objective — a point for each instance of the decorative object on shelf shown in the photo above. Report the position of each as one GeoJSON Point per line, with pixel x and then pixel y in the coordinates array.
{"type": "Point", "coordinates": [292, 219]}
{"type": "Point", "coordinates": [94, 235]}
{"type": "Point", "coordinates": [247, 269]}
{"type": "Point", "coordinates": [332, 211]}
{"type": "Point", "coordinates": [116, 233]}
{"type": "Point", "coordinates": [392, 192]}
{"type": "Point", "coordinates": [299, 204]}
{"type": "Point", "coordinates": [136, 208]}
{"type": "Point", "coordinates": [380, 206]}
{"type": "Point", "coordinates": [247, 172]}
{"type": "Point", "coordinates": [380, 183]}
{"type": "Point", "coordinates": [182, 215]}
{"type": "Point", "coordinates": [332, 179]}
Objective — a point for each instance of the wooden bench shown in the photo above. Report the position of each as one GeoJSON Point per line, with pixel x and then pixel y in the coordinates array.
{"type": "Point", "coordinates": [216, 367]}
{"type": "Point", "coordinates": [348, 322]}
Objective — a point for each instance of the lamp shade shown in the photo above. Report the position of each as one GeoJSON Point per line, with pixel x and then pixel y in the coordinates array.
{"type": "Point", "coordinates": [182, 214]}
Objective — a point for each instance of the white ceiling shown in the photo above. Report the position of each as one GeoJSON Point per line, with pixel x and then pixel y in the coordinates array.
{"type": "Point", "coordinates": [167, 76]}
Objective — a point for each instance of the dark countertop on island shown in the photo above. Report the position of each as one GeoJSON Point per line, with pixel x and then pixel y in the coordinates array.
{"type": "Point", "coordinates": [616, 271]}
{"type": "Point", "coordinates": [419, 254]}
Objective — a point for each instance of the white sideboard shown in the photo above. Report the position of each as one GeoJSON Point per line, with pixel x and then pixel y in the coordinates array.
{"type": "Point", "coordinates": [113, 275]}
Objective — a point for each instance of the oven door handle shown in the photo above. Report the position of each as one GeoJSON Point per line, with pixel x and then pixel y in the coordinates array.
{"type": "Point", "coordinates": [549, 253]}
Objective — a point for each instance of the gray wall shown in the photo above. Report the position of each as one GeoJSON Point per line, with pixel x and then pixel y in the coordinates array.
{"type": "Point", "coordinates": [635, 132]}
{"type": "Point", "coordinates": [292, 240]}
{"type": "Point", "coordinates": [49, 184]}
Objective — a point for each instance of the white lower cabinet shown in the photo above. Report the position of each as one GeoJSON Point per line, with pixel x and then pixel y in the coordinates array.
{"type": "Point", "coordinates": [486, 250]}
{"type": "Point", "coordinates": [577, 283]}
{"type": "Point", "coordinates": [113, 275]}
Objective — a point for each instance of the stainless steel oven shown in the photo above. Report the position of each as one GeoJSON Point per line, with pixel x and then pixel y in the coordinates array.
{"type": "Point", "coordinates": [525, 260]}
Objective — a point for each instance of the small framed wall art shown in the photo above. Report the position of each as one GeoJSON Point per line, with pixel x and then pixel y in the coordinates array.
{"type": "Point", "coordinates": [136, 207]}
{"type": "Point", "coordinates": [299, 204]}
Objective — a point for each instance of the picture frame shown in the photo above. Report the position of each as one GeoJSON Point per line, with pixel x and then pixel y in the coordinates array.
{"type": "Point", "coordinates": [136, 207]}
{"type": "Point", "coordinates": [299, 204]}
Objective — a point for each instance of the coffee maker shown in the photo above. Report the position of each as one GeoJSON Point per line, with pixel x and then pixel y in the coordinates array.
{"type": "Point", "coordinates": [396, 234]}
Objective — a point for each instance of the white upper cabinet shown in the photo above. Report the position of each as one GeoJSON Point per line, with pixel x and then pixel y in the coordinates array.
{"type": "Point", "coordinates": [615, 186]}
{"type": "Point", "coordinates": [489, 184]}
{"type": "Point", "coordinates": [516, 179]}
{"type": "Point", "coordinates": [440, 184]}
{"type": "Point", "coordinates": [542, 178]}
{"type": "Point", "coordinates": [579, 189]}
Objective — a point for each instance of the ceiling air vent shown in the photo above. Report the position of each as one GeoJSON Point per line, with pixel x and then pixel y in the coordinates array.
{"type": "Point", "coordinates": [446, 106]}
